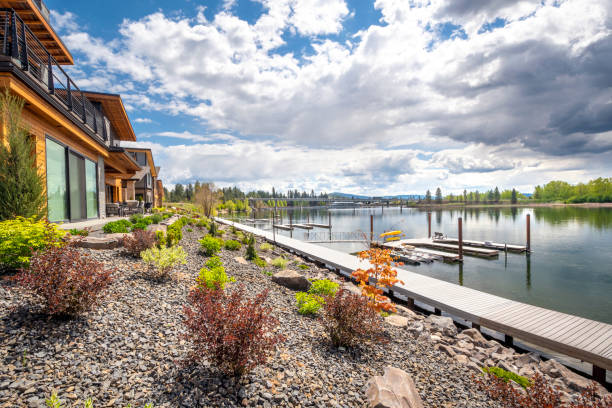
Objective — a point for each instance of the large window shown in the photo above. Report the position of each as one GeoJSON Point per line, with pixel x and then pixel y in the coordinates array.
{"type": "Point", "coordinates": [91, 188]}
{"type": "Point", "coordinates": [72, 184]}
{"type": "Point", "coordinates": [57, 198]}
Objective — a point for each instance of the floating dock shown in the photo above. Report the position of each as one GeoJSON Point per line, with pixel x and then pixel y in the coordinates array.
{"type": "Point", "coordinates": [574, 336]}
{"type": "Point", "coordinates": [430, 243]}
{"type": "Point", "coordinates": [318, 225]}
{"type": "Point", "coordinates": [484, 244]}
{"type": "Point", "coordinates": [302, 226]}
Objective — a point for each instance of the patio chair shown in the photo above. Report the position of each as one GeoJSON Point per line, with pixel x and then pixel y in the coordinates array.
{"type": "Point", "coordinates": [112, 209]}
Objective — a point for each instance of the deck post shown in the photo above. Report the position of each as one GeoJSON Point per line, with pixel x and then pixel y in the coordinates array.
{"type": "Point", "coordinates": [460, 224]}
{"type": "Point", "coordinates": [475, 326]}
{"type": "Point", "coordinates": [290, 225]}
{"type": "Point", "coordinates": [599, 374]}
{"type": "Point", "coordinates": [528, 232]}
{"type": "Point", "coordinates": [371, 227]}
{"type": "Point", "coordinates": [14, 40]}
{"type": "Point", "coordinates": [437, 311]}
{"type": "Point", "coordinates": [508, 340]}
{"type": "Point", "coordinates": [429, 225]}
{"type": "Point", "coordinates": [410, 303]}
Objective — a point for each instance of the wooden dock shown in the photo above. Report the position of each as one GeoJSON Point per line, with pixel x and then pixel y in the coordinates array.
{"type": "Point", "coordinates": [482, 244]}
{"type": "Point", "coordinates": [467, 250]}
{"type": "Point", "coordinates": [302, 226]}
{"type": "Point", "coordinates": [318, 225]}
{"type": "Point", "coordinates": [282, 227]}
{"type": "Point", "coordinates": [446, 256]}
{"type": "Point", "coordinates": [574, 336]}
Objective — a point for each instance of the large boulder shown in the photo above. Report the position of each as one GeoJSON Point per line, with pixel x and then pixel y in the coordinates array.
{"type": "Point", "coordinates": [108, 242]}
{"type": "Point", "coordinates": [396, 320]}
{"type": "Point", "coordinates": [442, 324]}
{"type": "Point", "coordinates": [394, 389]}
{"type": "Point", "coordinates": [474, 336]}
{"type": "Point", "coordinates": [292, 280]}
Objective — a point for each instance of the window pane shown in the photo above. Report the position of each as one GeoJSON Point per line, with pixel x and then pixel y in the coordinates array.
{"type": "Point", "coordinates": [76, 171]}
{"type": "Point", "coordinates": [91, 188]}
{"type": "Point", "coordinates": [56, 182]}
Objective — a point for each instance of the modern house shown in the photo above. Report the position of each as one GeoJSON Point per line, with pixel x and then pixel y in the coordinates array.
{"type": "Point", "coordinates": [144, 183]}
{"type": "Point", "coordinates": [77, 133]}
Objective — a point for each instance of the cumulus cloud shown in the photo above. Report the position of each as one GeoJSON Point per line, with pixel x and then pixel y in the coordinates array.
{"type": "Point", "coordinates": [538, 82]}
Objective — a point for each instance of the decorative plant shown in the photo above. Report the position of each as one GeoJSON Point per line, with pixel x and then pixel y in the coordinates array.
{"type": "Point", "coordinates": [160, 238]}
{"type": "Point", "coordinates": [323, 287]}
{"type": "Point", "coordinates": [507, 376]}
{"type": "Point", "coordinates": [79, 232]}
{"type": "Point", "coordinates": [66, 282]}
{"type": "Point", "coordinates": [383, 275]}
{"type": "Point", "coordinates": [213, 275]}
{"type": "Point", "coordinates": [279, 262]}
{"type": "Point", "coordinates": [260, 262]}
{"type": "Point", "coordinates": [266, 247]}
{"type": "Point", "coordinates": [308, 303]}
{"type": "Point", "coordinates": [540, 394]}
{"type": "Point", "coordinates": [233, 332]}
{"type": "Point", "coordinates": [162, 260]}
{"type": "Point", "coordinates": [138, 241]}
{"type": "Point", "coordinates": [210, 245]}
{"type": "Point", "coordinates": [251, 254]}
{"type": "Point", "coordinates": [117, 227]}
{"type": "Point", "coordinates": [20, 237]}
{"type": "Point", "coordinates": [212, 230]}
{"type": "Point", "coordinates": [232, 245]}
{"type": "Point", "coordinates": [350, 319]}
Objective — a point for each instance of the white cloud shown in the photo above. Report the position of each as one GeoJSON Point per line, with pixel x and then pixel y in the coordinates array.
{"type": "Point", "coordinates": [143, 120]}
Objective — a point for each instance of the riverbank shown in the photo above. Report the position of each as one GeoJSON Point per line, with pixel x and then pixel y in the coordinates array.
{"type": "Point", "coordinates": [130, 349]}
{"type": "Point", "coordinates": [450, 206]}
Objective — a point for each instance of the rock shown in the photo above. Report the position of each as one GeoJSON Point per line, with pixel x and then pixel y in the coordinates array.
{"type": "Point", "coordinates": [351, 288]}
{"type": "Point", "coordinates": [292, 280]}
{"type": "Point", "coordinates": [241, 260]}
{"type": "Point", "coordinates": [404, 311]}
{"type": "Point", "coordinates": [443, 324]}
{"type": "Point", "coordinates": [396, 320]}
{"type": "Point", "coordinates": [523, 360]}
{"type": "Point", "coordinates": [416, 328]}
{"type": "Point", "coordinates": [462, 359]}
{"type": "Point", "coordinates": [475, 337]}
{"type": "Point", "coordinates": [100, 243]}
{"type": "Point", "coordinates": [394, 389]}
{"type": "Point", "coordinates": [553, 368]}
{"type": "Point", "coordinates": [446, 349]}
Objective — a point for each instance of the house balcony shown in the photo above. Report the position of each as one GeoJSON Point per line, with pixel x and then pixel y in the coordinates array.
{"type": "Point", "coordinates": [22, 53]}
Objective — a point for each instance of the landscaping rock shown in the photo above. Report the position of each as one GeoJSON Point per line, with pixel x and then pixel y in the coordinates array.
{"type": "Point", "coordinates": [475, 337]}
{"type": "Point", "coordinates": [443, 324]}
{"type": "Point", "coordinates": [241, 260]}
{"type": "Point", "coordinates": [396, 320]}
{"type": "Point", "coordinates": [394, 389]}
{"type": "Point", "coordinates": [100, 243]}
{"type": "Point", "coordinates": [292, 280]}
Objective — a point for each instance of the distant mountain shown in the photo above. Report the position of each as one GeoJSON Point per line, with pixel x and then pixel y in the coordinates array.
{"type": "Point", "coordinates": [387, 197]}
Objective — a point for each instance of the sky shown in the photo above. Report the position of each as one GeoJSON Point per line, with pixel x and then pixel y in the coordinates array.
{"type": "Point", "coordinates": [358, 96]}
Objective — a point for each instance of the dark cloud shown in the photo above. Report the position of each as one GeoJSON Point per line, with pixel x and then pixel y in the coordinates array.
{"type": "Point", "coordinates": [468, 8]}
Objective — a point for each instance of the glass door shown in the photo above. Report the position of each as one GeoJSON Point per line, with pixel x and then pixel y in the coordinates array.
{"type": "Point", "coordinates": [76, 181]}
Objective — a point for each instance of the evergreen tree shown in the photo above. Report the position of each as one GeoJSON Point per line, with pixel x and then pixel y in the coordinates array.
{"type": "Point", "coordinates": [22, 191]}
{"type": "Point", "coordinates": [428, 197]}
{"type": "Point", "coordinates": [438, 196]}
{"type": "Point", "coordinates": [496, 195]}
{"type": "Point", "coordinates": [514, 198]}
{"type": "Point", "coordinates": [189, 192]}
{"type": "Point", "coordinates": [465, 196]}
{"type": "Point", "coordinates": [179, 193]}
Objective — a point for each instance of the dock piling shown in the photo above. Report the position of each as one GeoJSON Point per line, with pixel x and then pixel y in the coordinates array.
{"type": "Point", "coordinates": [429, 225]}
{"type": "Point", "coordinates": [528, 233]}
{"type": "Point", "coordinates": [291, 224]}
{"type": "Point", "coordinates": [371, 227]}
{"type": "Point", "coordinates": [460, 225]}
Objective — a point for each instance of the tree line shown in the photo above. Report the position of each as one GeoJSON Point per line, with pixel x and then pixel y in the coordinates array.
{"type": "Point", "coordinates": [492, 196]}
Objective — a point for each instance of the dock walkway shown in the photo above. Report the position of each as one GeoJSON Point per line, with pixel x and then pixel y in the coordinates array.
{"type": "Point", "coordinates": [482, 244]}
{"type": "Point", "coordinates": [430, 243]}
{"type": "Point", "coordinates": [574, 336]}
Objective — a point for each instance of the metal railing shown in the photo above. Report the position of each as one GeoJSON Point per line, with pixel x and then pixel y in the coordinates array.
{"type": "Point", "coordinates": [19, 43]}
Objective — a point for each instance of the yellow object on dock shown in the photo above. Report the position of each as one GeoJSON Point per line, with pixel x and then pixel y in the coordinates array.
{"type": "Point", "coordinates": [390, 233]}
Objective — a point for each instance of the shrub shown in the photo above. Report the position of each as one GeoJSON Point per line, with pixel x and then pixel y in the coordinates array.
{"type": "Point", "coordinates": [250, 251]}
{"type": "Point", "coordinates": [66, 282]}
{"type": "Point", "coordinates": [307, 303]}
{"type": "Point", "coordinates": [232, 245]}
{"type": "Point", "coordinates": [138, 241]}
{"type": "Point", "coordinates": [212, 229]}
{"type": "Point", "coordinates": [20, 237]}
{"type": "Point", "coordinates": [79, 232]}
{"type": "Point", "coordinates": [210, 245]}
{"type": "Point", "coordinates": [279, 262]}
{"type": "Point", "coordinates": [162, 260]}
{"type": "Point", "coordinates": [233, 332]}
{"type": "Point", "coordinates": [260, 262]}
{"type": "Point", "coordinates": [156, 218]}
{"type": "Point", "coordinates": [141, 225]}
{"type": "Point", "coordinates": [243, 238]}
{"type": "Point", "coordinates": [382, 273]}
{"type": "Point", "coordinates": [202, 223]}
{"type": "Point", "coordinates": [349, 319]}
{"type": "Point", "coordinates": [540, 394]}
{"type": "Point", "coordinates": [160, 238]}
{"type": "Point", "coordinates": [136, 218]}
{"type": "Point", "coordinates": [117, 227]}
{"type": "Point", "coordinates": [323, 287]}
{"type": "Point", "coordinates": [213, 275]}
{"type": "Point", "coordinates": [507, 376]}
{"type": "Point", "coordinates": [303, 266]}
{"type": "Point", "coordinates": [266, 247]}
{"type": "Point", "coordinates": [174, 232]}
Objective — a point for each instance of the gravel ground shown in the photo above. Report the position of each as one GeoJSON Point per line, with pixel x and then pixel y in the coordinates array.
{"type": "Point", "coordinates": [129, 350]}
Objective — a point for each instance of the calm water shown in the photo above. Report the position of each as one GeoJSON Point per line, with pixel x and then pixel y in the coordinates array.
{"type": "Point", "coordinates": [570, 269]}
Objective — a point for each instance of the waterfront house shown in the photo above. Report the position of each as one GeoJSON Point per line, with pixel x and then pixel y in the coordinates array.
{"type": "Point", "coordinates": [77, 133]}
{"type": "Point", "coordinates": [145, 183]}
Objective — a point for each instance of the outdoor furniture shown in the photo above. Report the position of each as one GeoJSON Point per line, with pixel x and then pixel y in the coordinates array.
{"type": "Point", "coordinates": [148, 207]}
{"type": "Point", "coordinates": [113, 209]}
{"type": "Point", "coordinates": [132, 207]}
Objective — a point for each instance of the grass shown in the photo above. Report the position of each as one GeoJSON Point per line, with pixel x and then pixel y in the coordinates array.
{"type": "Point", "coordinates": [279, 262]}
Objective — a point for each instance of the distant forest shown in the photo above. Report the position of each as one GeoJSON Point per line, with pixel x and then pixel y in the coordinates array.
{"type": "Point", "coordinates": [595, 191]}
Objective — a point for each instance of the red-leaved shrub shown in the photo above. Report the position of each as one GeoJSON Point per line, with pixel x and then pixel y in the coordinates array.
{"type": "Point", "coordinates": [350, 319]}
{"type": "Point", "coordinates": [138, 241]}
{"type": "Point", "coordinates": [541, 394]}
{"type": "Point", "coordinates": [65, 281]}
{"type": "Point", "coordinates": [231, 331]}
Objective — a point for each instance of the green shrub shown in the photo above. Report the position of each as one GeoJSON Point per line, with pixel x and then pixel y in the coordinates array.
{"type": "Point", "coordinates": [81, 232]}
{"type": "Point", "coordinates": [117, 227]}
{"type": "Point", "coordinates": [243, 238]}
{"type": "Point", "coordinates": [323, 287]}
{"type": "Point", "coordinates": [220, 232]}
{"type": "Point", "coordinates": [507, 376]}
{"type": "Point", "coordinates": [210, 245]}
{"type": "Point", "coordinates": [232, 245]}
{"type": "Point", "coordinates": [20, 237]}
{"type": "Point", "coordinates": [260, 262]}
{"type": "Point", "coordinates": [212, 229]}
{"type": "Point", "coordinates": [213, 275]}
{"type": "Point", "coordinates": [141, 225]}
{"type": "Point", "coordinates": [251, 254]}
{"type": "Point", "coordinates": [308, 303]}
{"type": "Point", "coordinates": [156, 218]}
{"type": "Point", "coordinates": [174, 232]}
{"type": "Point", "coordinates": [202, 223]}
{"type": "Point", "coordinates": [162, 260]}
{"type": "Point", "coordinates": [303, 267]}
{"type": "Point", "coordinates": [160, 238]}
{"type": "Point", "coordinates": [279, 262]}
{"type": "Point", "coordinates": [136, 218]}
{"type": "Point", "coordinates": [189, 230]}
{"type": "Point", "coordinates": [266, 247]}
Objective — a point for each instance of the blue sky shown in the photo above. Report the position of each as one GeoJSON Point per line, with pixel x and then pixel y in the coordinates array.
{"type": "Point", "coordinates": [373, 97]}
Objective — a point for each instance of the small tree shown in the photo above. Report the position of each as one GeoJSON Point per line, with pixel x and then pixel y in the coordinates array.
{"type": "Point", "coordinates": [438, 196]}
{"type": "Point", "coordinates": [496, 195]}
{"type": "Point", "coordinates": [428, 197]}
{"type": "Point", "coordinates": [208, 197]}
{"type": "Point", "coordinates": [384, 275]}
{"type": "Point", "coordinates": [513, 198]}
{"type": "Point", "coordinates": [21, 185]}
